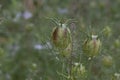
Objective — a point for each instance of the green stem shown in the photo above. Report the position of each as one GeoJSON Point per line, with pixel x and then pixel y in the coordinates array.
{"type": "Point", "coordinates": [62, 69]}
{"type": "Point", "coordinates": [90, 66]}
{"type": "Point", "coordinates": [71, 60]}
{"type": "Point", "coordinates": [70, 68]}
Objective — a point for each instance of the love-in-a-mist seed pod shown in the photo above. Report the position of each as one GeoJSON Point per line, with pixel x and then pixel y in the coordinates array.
{"type": "Point", "coordinates": [107, 31]}
{"type": "Point", "coordinates": [79, 70]}
{"type": "Point", "coordinates": [107, 60]}
{"type": "Point", "coordinates": [61, 36]}
{"type": "Point", "coordinates": [67, 51]}
{"type": "Point", "coordinates": [91, 47]}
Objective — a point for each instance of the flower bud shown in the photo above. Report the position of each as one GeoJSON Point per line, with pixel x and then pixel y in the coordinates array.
{"type": "Point", "coordinates": [91, 47]}
{"type": "Point", "coordinates": [107, 61]}
{"type": "Point", "coordinates": [61, 37]}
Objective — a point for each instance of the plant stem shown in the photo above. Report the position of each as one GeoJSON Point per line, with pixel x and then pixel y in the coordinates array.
{"type": "Point", "coordinates": [70, 67]}
{"type": "Point", "coordinates": [90, 66]}
{"type": "Point", "coordinates": [71, 59]}
{"type": "Point", "coordinates": [62, 69]}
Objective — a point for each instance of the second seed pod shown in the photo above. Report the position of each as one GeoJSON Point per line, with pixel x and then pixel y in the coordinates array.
{"type": "Point", "coordinates": [91, 47]}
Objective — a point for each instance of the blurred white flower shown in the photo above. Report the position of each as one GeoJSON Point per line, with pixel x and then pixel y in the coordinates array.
{"type": "Point", "coordinates": [117, 75]}
{"type": "Point", "coordinates": [62, 10]}
{"type": "Point", "coordinates": [27, 15]}
{"type": "Point", "coordinates": [38, 46]}
{"type": "Point", "coordinates": [76, 64]}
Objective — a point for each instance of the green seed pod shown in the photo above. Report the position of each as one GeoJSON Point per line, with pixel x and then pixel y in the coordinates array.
{"type": "Point", "coordinates": [107, 61]}
{"type": "Point", "coordinates": [107, 31]}
{"type": "Point", "coordinates": [67, 51]}
{"type": "Point", "coordinates": [29, 27]}
{"type": "Point", "coordinates": [79, 70]}
{"type": "Point", "coordinates": [61, 37]}
{"type": "Point", "coordinates": [117, 43]}
{"type": "Point", "coordinates": [91, 47]}
{"type": "Point", "coordinates": [2, 52]}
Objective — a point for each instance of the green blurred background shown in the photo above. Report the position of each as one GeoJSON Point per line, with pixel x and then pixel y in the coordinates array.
{"type": "Point", "coordinates": [26, 52]}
